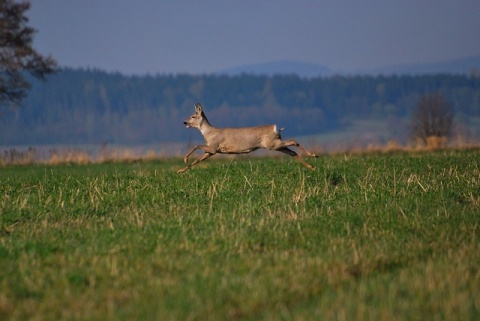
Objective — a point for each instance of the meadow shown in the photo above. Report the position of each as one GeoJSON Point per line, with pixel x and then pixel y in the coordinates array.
{"type": "Point", "coordinates": [379, 236]}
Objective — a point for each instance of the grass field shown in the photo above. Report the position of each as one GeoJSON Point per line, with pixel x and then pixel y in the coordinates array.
{"type": "Point", "coordinates": [364, 237]}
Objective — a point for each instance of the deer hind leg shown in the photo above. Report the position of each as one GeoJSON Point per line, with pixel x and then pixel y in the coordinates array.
{"type": "Point", "coordinates": [296, 156]}
{"type": "Point", "coordinates": [293, 142]}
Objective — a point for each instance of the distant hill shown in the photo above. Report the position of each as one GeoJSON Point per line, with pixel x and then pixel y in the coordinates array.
{"type": "Point", "coordinates": [466, 66]}
{"type": "Point", "coordinates": [463, 66]}
{"type": "Point", "coordinates": [284, 67]}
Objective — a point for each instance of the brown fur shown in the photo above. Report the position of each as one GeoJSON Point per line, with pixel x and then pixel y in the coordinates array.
{"type": "Point", "coordinates": [238, 140]}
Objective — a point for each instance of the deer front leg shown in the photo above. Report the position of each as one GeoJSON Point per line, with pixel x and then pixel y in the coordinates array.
{"type": "Point", "coordinates": [209, 151]}
{"type": "Point", "coordinates": [198, 160]}
{"type": "Point", "coordinates": [185, 159]}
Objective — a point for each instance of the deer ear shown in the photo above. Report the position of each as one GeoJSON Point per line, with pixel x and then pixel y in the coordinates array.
{"type": "Point", "coordinates": [198, 108]}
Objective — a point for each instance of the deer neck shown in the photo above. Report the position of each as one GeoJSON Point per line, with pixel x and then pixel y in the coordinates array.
{"type": "Point", "coordinates": [205, 127]}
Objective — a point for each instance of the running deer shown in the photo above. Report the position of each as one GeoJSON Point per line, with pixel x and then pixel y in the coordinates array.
{"type": "Point", "coordinates": [238, 140]}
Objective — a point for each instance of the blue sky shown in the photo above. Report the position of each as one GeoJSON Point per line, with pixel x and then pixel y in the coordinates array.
{"type": "Point", "coordinates": [148, 36]}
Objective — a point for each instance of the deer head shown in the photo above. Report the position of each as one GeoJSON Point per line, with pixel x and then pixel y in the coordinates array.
{"type": "Point", "coordinates": [196, 119]}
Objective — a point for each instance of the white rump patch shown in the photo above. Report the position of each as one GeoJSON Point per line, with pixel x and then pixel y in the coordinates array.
{"type": "Point", "coordinates": [276, 130]}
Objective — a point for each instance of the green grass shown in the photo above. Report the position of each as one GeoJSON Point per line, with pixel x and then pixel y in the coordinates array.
{"type": "Point", "coordinates": [364, 237]}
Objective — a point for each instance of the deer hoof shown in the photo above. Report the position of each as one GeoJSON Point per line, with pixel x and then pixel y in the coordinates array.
{"type": "Point", "coordinates": [182, 170]}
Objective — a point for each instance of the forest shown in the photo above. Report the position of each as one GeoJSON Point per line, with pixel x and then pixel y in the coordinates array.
{"type": "Point", "coordinates": [88, 106]}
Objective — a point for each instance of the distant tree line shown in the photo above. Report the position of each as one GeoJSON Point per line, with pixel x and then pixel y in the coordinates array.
{"type": "Point", "coordinates": [77, 106]}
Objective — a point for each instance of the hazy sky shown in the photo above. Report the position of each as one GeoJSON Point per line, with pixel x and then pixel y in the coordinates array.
{"type": "Point", "coordinates": [160, 36]}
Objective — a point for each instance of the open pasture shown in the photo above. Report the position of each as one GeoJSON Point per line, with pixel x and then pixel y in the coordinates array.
{"type": "Point", "coordinates": [364, 237]}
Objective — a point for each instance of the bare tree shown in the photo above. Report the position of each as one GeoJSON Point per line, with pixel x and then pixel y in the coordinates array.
{"type": "Point", "coordinates": [432, 118]}
{"type": "Point", "coordinates": [17, 55]}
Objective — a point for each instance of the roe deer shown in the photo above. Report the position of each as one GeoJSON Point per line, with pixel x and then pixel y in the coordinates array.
{"type": "Point", "coordinates": [238, 140]}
